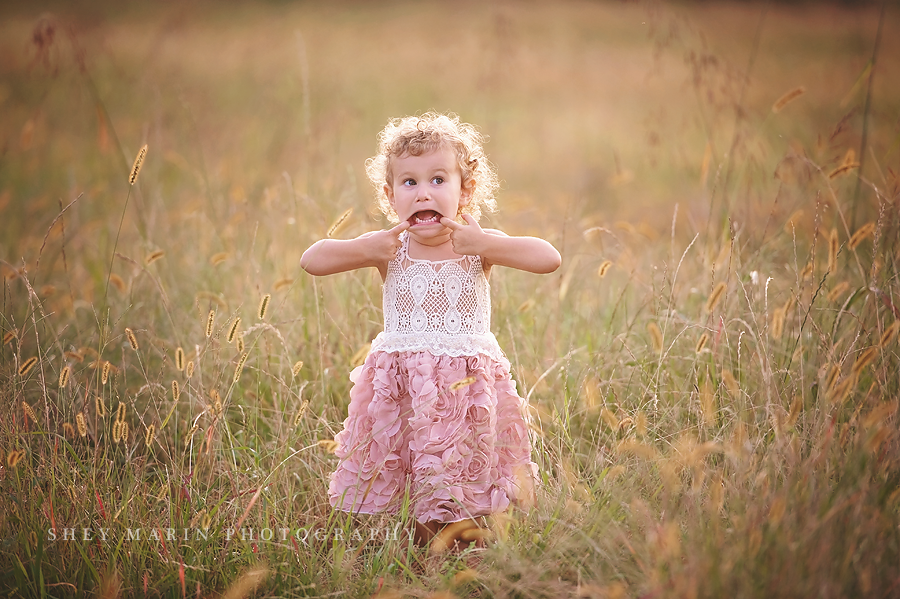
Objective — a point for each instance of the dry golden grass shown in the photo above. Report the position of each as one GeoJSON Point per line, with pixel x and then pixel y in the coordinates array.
{"type": "Point", "coordinates": [745, 444]}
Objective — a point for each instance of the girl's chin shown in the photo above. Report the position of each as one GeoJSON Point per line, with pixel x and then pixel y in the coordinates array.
{"type": "Point", "coordinates": [430, 232]}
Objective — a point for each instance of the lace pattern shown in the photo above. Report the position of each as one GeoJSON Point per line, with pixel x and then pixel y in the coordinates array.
{"type": "Point", "coordinates": [443, 307]}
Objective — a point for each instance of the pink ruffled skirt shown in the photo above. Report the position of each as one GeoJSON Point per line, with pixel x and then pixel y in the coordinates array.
{"type": "Point", "coordinates": [458, 453]}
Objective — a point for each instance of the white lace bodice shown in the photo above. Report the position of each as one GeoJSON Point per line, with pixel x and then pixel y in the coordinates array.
{"type": "Point", "coordinates": [442, 307]}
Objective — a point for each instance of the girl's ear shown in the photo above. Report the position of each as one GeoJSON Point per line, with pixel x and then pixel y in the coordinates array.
{"type": "Point", "coordinates": [466, 190]}
{"type": "Point", "coordinates": [389, 192]}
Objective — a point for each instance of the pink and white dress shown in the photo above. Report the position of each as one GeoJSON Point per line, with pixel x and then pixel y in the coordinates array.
{"type": "Point", "coordinates": [459, 451]}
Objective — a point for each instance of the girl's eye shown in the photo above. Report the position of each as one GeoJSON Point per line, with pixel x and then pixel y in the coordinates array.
{"type": "Point", "coordinates": [409, 182]}
{"type": "Point", "coordinates": [437, 180]}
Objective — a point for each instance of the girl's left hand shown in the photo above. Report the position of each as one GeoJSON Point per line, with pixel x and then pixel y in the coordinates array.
{"type": "Point", "coordinates": [468, 239]}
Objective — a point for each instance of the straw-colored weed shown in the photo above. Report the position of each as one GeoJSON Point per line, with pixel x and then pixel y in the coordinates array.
{"type": "Point", "coordinates": [138, 162]}
{"type": "Point", "coordinates": [340, 221]}
{"type": "Point", "coordinates": [787, 98]}
{"type": "Point", "coordinates": [27, 365]}
{"type": "Point", "coordinates": [210, 323]}
{"type": "Point", "coordinates": [132, 340]}
{"type": "Point", "coordinates": [716, 295]}
{"type": "Point", "coordinates": [656, 338]}
{"type": "Point", "coordinates": [81, 424]}
{"type": "Point", "coordinates": [64, 377]}
{"type": "Point", "coordinates": [263, 306]}
{"type": "Point", "coordinates": [862, 233]}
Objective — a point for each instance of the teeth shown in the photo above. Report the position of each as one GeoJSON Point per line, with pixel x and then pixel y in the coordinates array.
{"type": "Point", "coordinates": [433, 219]}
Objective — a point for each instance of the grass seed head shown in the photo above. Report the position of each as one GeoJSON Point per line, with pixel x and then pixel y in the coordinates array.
{"type": "Point", "coordinates": [240, 367]}
{"type": "Point", "coordinates": [117, 431]}
{"type": "Point", "coordinates": [793, 221]}
{"type": "Point", "coordinates": [210, 322]}
{"type": "Point", "coordinates": [787, 98]}
{"type": "Point", "coordinates": [150, 435]}
{"type": "Point", "coordinates": [796, 408]}
{"type": "Point", "coordinates": [866, 357]}
{"type": "Point", "coordinates": [462, 383]}
{"type": "Point", "coordinates": [707, 403]}
{"type": "Point", "coordinates": [189, 369]}
{"type": "Point", "coordinates": [844, 168]}
{"type": "Point", "coordinates": [27, 365]}
{"type": "Point", "coordinates": [842, 388]}
{"type": "Point", "coordinates": [179, 359]}
{"type": "Point", "coordinates": [301, 412]}
{"type": "Point", "coordinates": [328, 445]}
{"type": "Point", "coordinates": [64, 377]}
{"type": "Point", "coordinates": [99, 406]}
{"type": "Point", "coordinates": [788, 304]}
{"type": "Point", "coordinates": [640, 423]}
{"type": "Point", "coordinates": [295, 370]}
{"type": "Point", "coordinates": [240, 342]}
{"type": "Point", "coordinates": [838, 290]}
{"type": "Point", "coordinates": [153, 257]}
{"type": "Point", "coordinates": [132, 340]}
{"type": "Point", "coordinates": [833, 248]}
{"type": "Point", "coordinates": [104, 373]}
{"type": "Point", "coordinates": [120, 412]}
{"type": "Point", "coordinates": [656, 337]}
{"type": "Point", "coordinates": [701, 343]}
{"type": "Point", "coordinates": [118, 283]}
{"type": "Point", "coordinates": [340, 221]}
{"type": "Point", "coordinates": [14, 457]}
{"type": "Point", "coordinates": [123, 431]}
{"type": "Point", "coordinates": [218, 259]}
{"type": "Point", "coordinates": [68, 430]}
{"type": "Point", "coordinates": [29, 412]}
{"type": "Point", "coordinates": [807, 271]}
{"type": "Point", "coordinates": [889, 334]}
{"type": "Point", "coordinates": [233, 329]}
{"type": "Point", "coordinates": [777, 327]}
{"type": "Point", "coordinates": [9, 336]}
{"type": "Point", "coordinates": [190, 435]}
{"type": "Point", "coordinates": [282, 283]}
{"type": "Point", "coordinates": [862, 233]}
{"type": "Point", "coordinates": [604, 268]}
{"type": "Point", "coordinates": [609, 418]}
{"type": "Point", "coordinates": [832, 377]}
{"type": "Point", "coordinates": [731, 383]}
{"type": "Point", "coordinates": [138, 162]}
{"type": "Point", "coordinates": [716, 295]}
{"type": "Point", "coordinates": [263, 306]}
{"type": "Point", "coordinates": [176, 391]}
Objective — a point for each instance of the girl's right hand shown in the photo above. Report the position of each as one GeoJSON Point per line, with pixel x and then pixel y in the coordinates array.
{"type": "Point", "coordinates": [383, 245]}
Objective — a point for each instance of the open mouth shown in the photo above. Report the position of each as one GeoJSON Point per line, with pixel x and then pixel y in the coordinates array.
{"type": "Point", "coordinates": [425, 217]}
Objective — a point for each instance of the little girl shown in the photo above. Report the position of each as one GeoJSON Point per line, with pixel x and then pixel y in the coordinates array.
{"type": "Point", "coordinates": [433, 411]}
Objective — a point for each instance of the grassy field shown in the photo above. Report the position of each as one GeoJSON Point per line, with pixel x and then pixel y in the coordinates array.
{"type": "Point", "coordinates": [712, 373]}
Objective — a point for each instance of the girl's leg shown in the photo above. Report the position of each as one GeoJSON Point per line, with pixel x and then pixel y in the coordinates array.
{"type": "Point", "coordinates": [425, 532]}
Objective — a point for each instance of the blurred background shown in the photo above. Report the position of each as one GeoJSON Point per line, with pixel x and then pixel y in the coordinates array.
{"type": "Point", "coordinates": [599, 110]}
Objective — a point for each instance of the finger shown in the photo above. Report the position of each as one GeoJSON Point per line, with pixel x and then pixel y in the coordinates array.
{"type": "Point", "coordinates": [399, 228]}
{"type": "Point", "coordinates": [470, 220]}
{"type": "Point", "coordinates": [450, 223]}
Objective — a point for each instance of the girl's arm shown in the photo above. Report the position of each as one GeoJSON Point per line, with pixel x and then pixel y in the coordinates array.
{"type": "Point", "coordinates": [331, 256]}
{"type": "Point", "coordinates": [495, 247]}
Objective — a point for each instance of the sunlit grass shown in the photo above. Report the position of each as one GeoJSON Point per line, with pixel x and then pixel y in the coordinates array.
{"type": "Point", "coordinates": [712, 373]}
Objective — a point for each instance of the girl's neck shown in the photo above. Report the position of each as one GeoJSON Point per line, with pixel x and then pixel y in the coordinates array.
{"type": "Point", "coordinates": [432, 249]}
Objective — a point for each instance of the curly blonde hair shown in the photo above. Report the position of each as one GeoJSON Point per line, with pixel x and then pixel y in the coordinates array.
{"type": "Point", "coordinates": [417, 135]}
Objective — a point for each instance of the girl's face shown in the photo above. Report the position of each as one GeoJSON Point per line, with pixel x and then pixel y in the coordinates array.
{"type": "Point", "coordinates": [424, 189]}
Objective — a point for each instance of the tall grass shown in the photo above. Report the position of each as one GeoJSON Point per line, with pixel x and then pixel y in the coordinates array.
{"type": "Point", "coordinates": [713, 382]}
